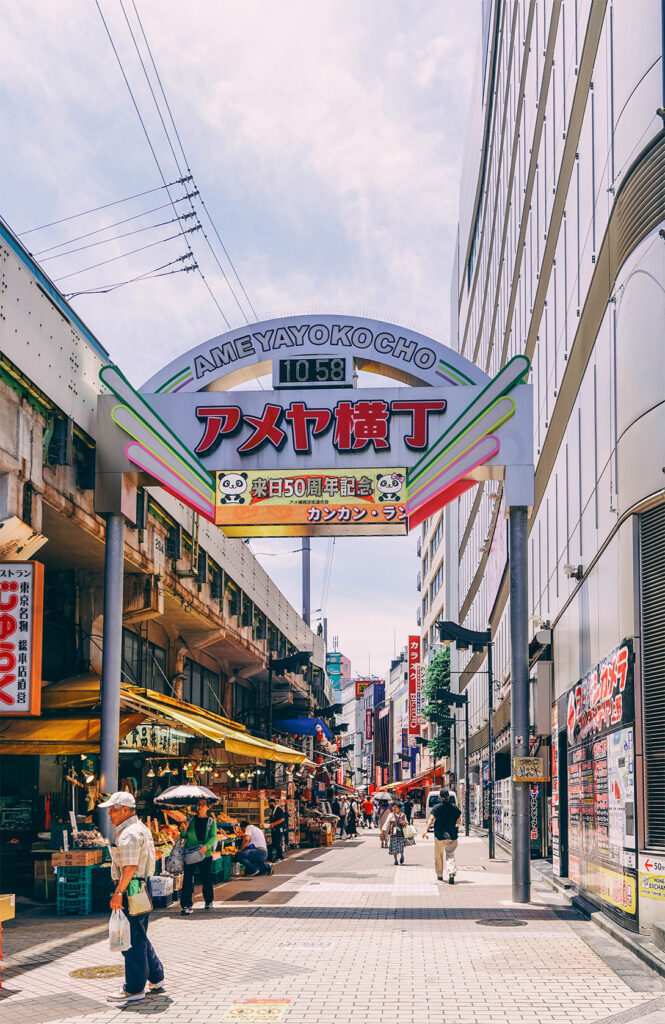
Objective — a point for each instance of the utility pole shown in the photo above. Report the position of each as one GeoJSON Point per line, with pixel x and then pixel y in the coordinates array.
{"type": "Point", "coordinates": [519, 697]}
{"type": "Point", "coordinates": [114, 567]}
{"type": "Point", "coordinates": [306, 579]}
{"type": "Point", "coordinates": [467, 795]}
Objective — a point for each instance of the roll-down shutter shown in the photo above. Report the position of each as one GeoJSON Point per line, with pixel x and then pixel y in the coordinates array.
{"type": "Point", "coordinates": [652, 574]}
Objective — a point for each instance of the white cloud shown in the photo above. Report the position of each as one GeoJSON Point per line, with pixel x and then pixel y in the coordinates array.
{"type": "Point", "coordinates": [327, 140]}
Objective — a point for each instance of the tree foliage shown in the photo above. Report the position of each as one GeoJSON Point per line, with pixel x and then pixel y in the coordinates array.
{"type": "Point", "coordinates": [437, 677]}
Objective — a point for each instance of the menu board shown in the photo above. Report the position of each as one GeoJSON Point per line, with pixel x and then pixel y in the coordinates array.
{"type": "Point", "coordinates": [600, 713]}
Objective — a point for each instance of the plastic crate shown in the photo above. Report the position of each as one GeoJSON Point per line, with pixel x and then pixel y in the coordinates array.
{"type": "Point", "coordinates": [65, 904]}
{"type": "Point", "coordinates": [73, 874]}
{"type": "Point", "coordinates": [160, 902]}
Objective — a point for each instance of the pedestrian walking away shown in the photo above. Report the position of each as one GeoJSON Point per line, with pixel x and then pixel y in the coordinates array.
{"type": "Point", "coordinates": [408, 808]}
{"type": "Point", "coordinates": [200, 838]}
{"type": "Point", "coordinates": [277, 829]}
{"type": "Point", "coordinates": [343, 812]}
{"type": "Point", "coordinates": [368, 812]}
{"type": "Point", "coordinates": [352, 818]}
{"type": "Point", "coordinates": [253, 852]}
{"type": "Point", "coordinates": [383, 815]}
{"type": "Point", "coordinates": [444, 818]}
{"type": "Point", "coordinates": [395, 827]}
{"type": "Point", "coordinates": [132, 864]}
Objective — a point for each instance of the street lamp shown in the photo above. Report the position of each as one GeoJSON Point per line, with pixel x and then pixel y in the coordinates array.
{"type": "Point", "coordinates": [477, 640]}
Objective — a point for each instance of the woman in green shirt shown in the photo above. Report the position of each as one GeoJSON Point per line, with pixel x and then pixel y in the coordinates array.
{"type": "Point", "coordinates": [200, 833]}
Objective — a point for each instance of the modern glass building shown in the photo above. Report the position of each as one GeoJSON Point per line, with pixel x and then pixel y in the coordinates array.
{"type": "Point", "coordinates": [561, 256]}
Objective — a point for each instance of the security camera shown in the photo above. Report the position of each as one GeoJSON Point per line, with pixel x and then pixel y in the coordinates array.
{"type": "Point", "coordinates": [573, 572]}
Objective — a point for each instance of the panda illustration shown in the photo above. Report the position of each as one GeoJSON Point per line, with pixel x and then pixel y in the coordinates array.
{"type": "Point", "coordinates": [389, 486]}
{"type": "Point", "coordinates": [231, 487]}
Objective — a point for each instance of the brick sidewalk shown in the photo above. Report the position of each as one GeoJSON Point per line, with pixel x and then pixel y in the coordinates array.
{"type": "Point", "coordinates": [344, 935]}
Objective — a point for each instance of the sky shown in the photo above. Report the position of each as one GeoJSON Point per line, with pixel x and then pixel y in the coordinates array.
{"type": "Point", "coordinates": [326, 139]}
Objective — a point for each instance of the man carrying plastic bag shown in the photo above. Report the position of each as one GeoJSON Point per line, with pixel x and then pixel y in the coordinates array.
{"type": "Point", "coordinates": [133, 862]}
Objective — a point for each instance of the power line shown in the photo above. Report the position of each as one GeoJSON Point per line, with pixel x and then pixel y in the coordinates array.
{"type": "Point", "coordinates": [114, 224]}
{"type": "Point", "coordinates": [141, 248]}
{"type": "Point", "coordinates": [184, 156]}
{"type": "Point", "coordinates": [116, 238]}
{"type": "Point", "coordinates": [155, 158]}
{"type": "Point", "coordinates": [103, 289]}
{"type": "Point", "coordinates": [105, 206]}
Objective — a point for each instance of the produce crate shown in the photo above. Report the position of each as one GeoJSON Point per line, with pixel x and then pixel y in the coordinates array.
{"type": "Point", "coordinates": [76, 858]}
{"type": "Point", "coordinates": [160, 902]}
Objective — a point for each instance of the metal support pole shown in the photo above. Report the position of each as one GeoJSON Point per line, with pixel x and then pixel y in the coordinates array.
{"type": "Point", "coordinates": [306, 579]}
{"type": "Point", "coordinates": [467, 795]}
{"type": "Point", "coordinates": [519, 699]}
{"type": "Point", "coordinates": [490, 779]}
{"type": "Point", "coordinates": [456, 754]}
{"type": "Point", "coordinates": [270, 768]}
{"type": "Point", "coordinates": [114, 558]}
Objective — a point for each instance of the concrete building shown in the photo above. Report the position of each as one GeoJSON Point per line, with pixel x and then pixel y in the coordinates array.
{"type": "Point", "coordinates": [560, 256]}
{"type": "Point", "coordinates": [200, 615]}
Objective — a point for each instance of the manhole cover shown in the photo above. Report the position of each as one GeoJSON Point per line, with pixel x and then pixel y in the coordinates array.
{"type": "Point", "coordinates": [502, 922]}
{"type": "Point", "coordinates": [107, 971]}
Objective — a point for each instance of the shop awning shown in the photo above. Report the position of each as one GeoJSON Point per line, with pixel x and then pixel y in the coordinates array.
{"type": "Point", "coordinates": [70, 723]}
{"type": "Point", "coordinates": [222, 731]}
{"type": "Point", "coordinates": [417, 780]}
{"type": "Point", "coordinates": [304, 726]}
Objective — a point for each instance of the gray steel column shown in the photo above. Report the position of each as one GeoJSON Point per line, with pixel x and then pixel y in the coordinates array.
{"type": "Point", "coordinates": [519, 698]}
{"type": "Point", "coordinates": [467, 795]}
{"type": "Point", "coordinates": [306, 579]}
{"type": "Point", "coordinates": [114, 559]}
{"type": "Point", "coordinates": [490, 742]}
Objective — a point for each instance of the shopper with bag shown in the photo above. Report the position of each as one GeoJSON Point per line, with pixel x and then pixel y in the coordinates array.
{"type": "Point", "coordinates": [395, 828]}
{"type": "Point", "coordinates": [444, 818]}
{"type": "Point", "coordinates": [133, 863]}
{"type": "Point", "coordinates": [200, 839]}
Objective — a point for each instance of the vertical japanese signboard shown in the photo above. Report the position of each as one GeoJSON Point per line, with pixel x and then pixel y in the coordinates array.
{"type": "Point", "coordinates": [21, 620]}
{"type": "Point", "coordinates": [414, 685]}
{"type": "Point", "coordinates": [602, 835]}
{"type": "Point", "coordinates": [554, 803]}
{"type": "Point", "coordinates": [368, 723]}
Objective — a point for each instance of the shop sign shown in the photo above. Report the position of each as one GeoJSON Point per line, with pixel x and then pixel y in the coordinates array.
{"type": "Point", "coordinates": [529, 769]}
{"type": "Point", "coordinates": [342, 501]}
{"type": "Point", "coordinates": [256, 1010]}
{"type": "Point", "coordinates": [361, 686]}
{"type": "Point", "coordinates": [21, 626]}
{"type": "Point", "coordinates": [652, 877]}
{"type": "Point", "coordinates": [554, 801]}
{"type": "Point", "coordinates": [378, 777]}
{"type": "Point", "coordinates": [368, 723]}
{"type": "Point", "coordinates": [154, 738]}
{"type": "Point", "coordinates": [414, 685]}
{"type": "Point", "coordinates": [602, 832]}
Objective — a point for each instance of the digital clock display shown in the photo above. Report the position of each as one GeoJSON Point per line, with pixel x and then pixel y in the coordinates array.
{"type": "Point", "coordinates": [327, 372]}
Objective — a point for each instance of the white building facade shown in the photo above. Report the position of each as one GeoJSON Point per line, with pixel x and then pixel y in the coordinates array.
{"type": "Point", "coordinates": [560, 257]}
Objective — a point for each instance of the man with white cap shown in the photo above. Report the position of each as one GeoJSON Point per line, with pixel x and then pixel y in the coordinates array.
{"type": "Point", "coordinates": [133, 860]}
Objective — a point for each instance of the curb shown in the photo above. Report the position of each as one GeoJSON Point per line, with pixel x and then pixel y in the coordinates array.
{"type": "Point", "coordinates": [645, 950]}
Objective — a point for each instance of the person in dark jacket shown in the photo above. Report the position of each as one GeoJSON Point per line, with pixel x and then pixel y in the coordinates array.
{"type": "Point", "coordinates": [277, 828]}
{"type": "Point", "coordinates": [444, 818]}
{"type": "Point", "coordinates": [408, 808]}
{"type": "Point", "coordinates": [199, 833]}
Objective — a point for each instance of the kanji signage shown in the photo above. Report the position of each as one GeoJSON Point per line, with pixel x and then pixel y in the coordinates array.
{"type": "Point", "coordinates": [361, 686]}
{"type": "Point", "coordinates": [21, 622]}
{"type": "Point", "coordinates": [445, 428]}
{"type": "Point", "coordinates": [343, 501]}
{"type": "Point", "coordinates": [414, 685]}
{"type": "Point", "coordinates": [529, 769]}
{"type": "Point", "coordinates": [368, 723]}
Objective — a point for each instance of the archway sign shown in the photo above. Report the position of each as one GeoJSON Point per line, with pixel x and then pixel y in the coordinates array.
{"type": "Point", "coordinates": [317, 456]}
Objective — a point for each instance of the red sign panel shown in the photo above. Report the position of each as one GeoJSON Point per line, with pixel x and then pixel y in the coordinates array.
{"type": "Point", "coordinates": [21, 615]}
{"type": "Point", "coordinates": [368, 724]}
{"type": "Point", "coordinates": [414, 687]}
{"type": "Point", "coordinates": [361, 686]}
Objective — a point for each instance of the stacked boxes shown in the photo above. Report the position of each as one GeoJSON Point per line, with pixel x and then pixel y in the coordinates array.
{"type": "Point", "coordinates": [103, 887]}
{"type": "Point", "coordinates": [74, 889]}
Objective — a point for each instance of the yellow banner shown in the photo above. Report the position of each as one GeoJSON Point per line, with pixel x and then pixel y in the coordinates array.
{"type": "Point", "coordinates": [619, 890]}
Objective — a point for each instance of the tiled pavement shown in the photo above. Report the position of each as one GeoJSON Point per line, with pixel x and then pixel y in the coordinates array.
{"type": "Point", "coordinates": [343, 935]}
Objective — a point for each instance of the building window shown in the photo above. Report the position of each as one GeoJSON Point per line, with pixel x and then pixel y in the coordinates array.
{"type": "Point", "coordinates": [436, 539]}
{"type": "Point", "coordinates": [144, 663]}
{"type": "Point", "coordinates": [201, 686]}
{"type": "Point", "coordinates": [436, 583]}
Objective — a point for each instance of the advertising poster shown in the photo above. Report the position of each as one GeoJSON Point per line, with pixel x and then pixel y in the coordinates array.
{"type": "Point", "coordinates": [600, 713]}
{"type": "Point", "coordinates": [554, 800]}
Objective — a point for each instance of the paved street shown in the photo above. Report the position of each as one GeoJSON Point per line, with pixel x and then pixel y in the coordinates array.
{"type": "Point", "coordinates": [344, 935]}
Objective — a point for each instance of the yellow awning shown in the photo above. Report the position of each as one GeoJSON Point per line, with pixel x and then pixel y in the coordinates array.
{"type": "Point", "coordinates": [75, 734]}
{"type": "Point", "coordinates": [222, 731]}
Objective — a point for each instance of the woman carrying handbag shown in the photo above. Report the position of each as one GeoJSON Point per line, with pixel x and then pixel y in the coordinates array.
{"type": "Point", "coordinates": [200, 838]}
{"type": "Point", "coordinates": [395, 827]}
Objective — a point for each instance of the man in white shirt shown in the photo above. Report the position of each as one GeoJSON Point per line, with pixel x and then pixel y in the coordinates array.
{"type": "Point", "coordinates": [253, 852]}
{"type": "Point", "coordinates": [133, 860]}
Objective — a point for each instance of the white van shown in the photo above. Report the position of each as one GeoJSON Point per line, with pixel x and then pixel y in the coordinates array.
{"type": "Point", "coordinates": [433, 799]}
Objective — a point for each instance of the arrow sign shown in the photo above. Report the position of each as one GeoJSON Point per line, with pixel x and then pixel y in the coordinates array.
{"type": "Point", "coordinates": [648, 865]}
